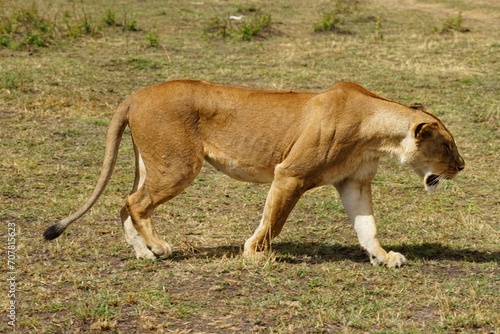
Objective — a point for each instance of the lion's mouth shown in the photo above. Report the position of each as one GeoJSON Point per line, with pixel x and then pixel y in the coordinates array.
{"type": "Point", "coordinates": [431, 181]}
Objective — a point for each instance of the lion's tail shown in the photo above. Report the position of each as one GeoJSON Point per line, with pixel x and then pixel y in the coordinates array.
{"type": "Point", "coordinates": [114, 136]}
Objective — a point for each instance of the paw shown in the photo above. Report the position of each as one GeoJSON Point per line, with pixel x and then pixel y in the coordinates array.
{"type": "Point", "coordinates": [255, 253]}
{"type": "Point", "coordinates": [140, 249]}
{"type": "Point", "coordinates": [145, 255]}
{"type": "Point", "coordinates": [395, 259]}
{"type": "Point", "coordinates": [161, 250]}
{"type": "Point", "coordinates": [255, 256]}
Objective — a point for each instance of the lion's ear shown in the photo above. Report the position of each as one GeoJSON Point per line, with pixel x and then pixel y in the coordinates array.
{"type": "Point", "coordinates": [425, 131]}
{"type": "Point", "coordinates": [417, 106]}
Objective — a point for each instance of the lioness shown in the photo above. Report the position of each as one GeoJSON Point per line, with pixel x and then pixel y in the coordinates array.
{"type": "Point", "coordinates": [295, 141]}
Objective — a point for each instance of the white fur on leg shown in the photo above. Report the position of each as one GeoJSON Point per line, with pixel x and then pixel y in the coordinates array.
{"type": "Point", "coordinates": [357, 203]}
{"type": "Point", "coordinates": [135, 240]}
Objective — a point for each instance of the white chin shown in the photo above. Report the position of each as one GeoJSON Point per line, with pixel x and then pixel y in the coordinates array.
{"type": "Point", "coordinates": [429, 188]}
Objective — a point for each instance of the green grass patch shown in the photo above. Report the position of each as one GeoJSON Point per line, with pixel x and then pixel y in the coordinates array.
{"type": "Point", "coordinates": [248, 27]}
{"type": "Point", "coordinates": [29, 28]}
{"type": "Point", "coordinates": [25, 28]}
{"type": "Point", "coordinates": [451, 24]}
{"type": "Point", "coordinates": [334, 20]}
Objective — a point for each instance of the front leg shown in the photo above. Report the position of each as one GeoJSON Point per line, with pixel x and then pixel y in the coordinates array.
{"type": "Point", "coordinates": [357, 200]}
{"type": "Point", "coordinates": [284, 193]}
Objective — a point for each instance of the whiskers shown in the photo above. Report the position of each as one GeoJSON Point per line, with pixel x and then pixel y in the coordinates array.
{"type": "Point", "coordinates": [447, 174]}
{"type": "Point", "coordinates": [433, 181]}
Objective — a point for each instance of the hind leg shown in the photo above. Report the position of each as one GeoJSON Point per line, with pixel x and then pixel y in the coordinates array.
{"type": "Point", "coordinates": [162, 183]}
{"type": "Point", "coordinates": [141, 233]}
{"type": "Point", "coordinates": [167, 141]}
{"type": "Point", "coordinates": [133, 238]}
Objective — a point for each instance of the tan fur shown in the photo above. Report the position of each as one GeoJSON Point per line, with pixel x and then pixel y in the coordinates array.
{"type": "Point", "coordinates": [295, 141]}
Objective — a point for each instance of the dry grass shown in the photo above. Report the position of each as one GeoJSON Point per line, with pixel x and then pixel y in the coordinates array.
{"type": "Point", "coordinates": [55, 104]}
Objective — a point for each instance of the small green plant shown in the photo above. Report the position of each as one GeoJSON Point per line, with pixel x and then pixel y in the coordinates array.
{"type": "Point", "coordinates": [246, 29]}
{"type": "Point", "coordinates": [152, 39]}
{"type": "Point", "coordinates": [72, 30]}
{"type": "Point", "coordinates": [87, 28]}
{"type": "Point", "coordinates": [79, 26]}
{"type": "Point", "coordinates": [330, 22]}
{"type": "Point", "coordinates": [218, 27]}
{"type": "Point", "coordinates": [453, 24]}
{"type": "Point", "coordinates": [130, 24]}
{"type": "Point", "coordinates": [35, 38]}
{"type": "Point", "coordinates": [83, 27]}
{"type": "Point", "coordinates": [249, 30]}
{"type": "Point", "coordinates": [378, 27]}
{"type": "Point", "coordinates": [5, 41]}
{"type": "Point", "coordinates": [254, 27]}
{"type": "Point", "coordinates": [110, 18]}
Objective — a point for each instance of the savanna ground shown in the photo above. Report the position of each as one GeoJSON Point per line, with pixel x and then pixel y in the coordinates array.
{"type": "Point", "coordinates": [65, 66]}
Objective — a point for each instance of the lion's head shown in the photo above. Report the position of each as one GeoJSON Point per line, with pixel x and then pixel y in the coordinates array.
{"type": "Point", "coordinates": [437, 154]}
{"type": "Point", "coordinates": [433, 155]}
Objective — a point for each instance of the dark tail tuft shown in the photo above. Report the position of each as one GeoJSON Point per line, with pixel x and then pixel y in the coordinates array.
{"type": "Point", "coordinates": [52, 232]}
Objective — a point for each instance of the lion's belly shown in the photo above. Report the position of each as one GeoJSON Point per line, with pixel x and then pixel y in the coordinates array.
{"type": "Point", "coordinates": [240, 167]}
